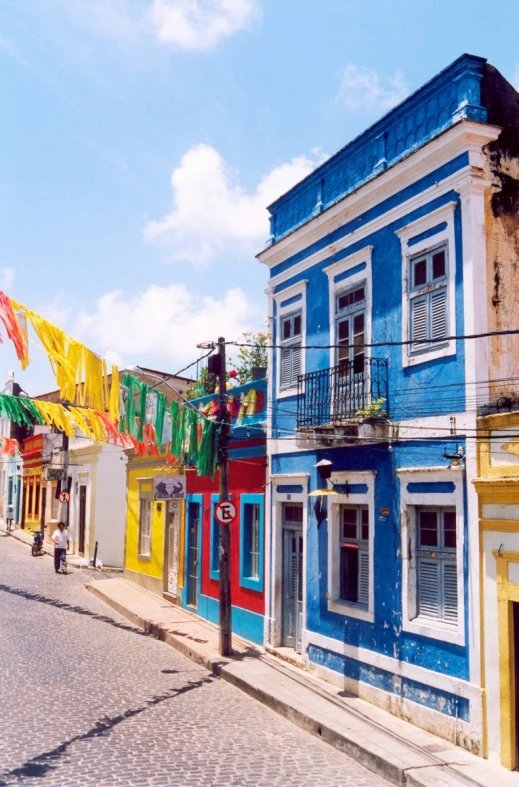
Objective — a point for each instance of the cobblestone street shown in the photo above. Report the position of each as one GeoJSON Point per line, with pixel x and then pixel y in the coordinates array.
{"type": "Point", "coordinates": [87, 699]}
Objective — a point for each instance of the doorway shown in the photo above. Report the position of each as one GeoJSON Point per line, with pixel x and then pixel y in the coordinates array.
{"type": "Point", "coordinates": [172, 547]}
{"type": "Point", "coordinates": [292, 599]}
{"type": "Point", "coordinates": [82, 519]}
{"type": "Point", "coordinates": [193, 526]}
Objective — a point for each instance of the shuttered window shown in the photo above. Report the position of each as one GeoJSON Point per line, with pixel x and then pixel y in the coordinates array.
{"type": "Point", "coordinates": [428, 302]}
{"type": "Point", "coordinates": [145, 518]}
{"type": "Point", "coordinates": [354, 554]}
{"type": "Point", "coordinates": [290, 336]}
{"type": "Point", "coordinates": [436, 563]}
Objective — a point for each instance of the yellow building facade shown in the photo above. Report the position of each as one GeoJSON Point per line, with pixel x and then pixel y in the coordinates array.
{"type": "Point", "coordinates": [498, 492]}
{"type": "Point", "coordinates": [154, 535]}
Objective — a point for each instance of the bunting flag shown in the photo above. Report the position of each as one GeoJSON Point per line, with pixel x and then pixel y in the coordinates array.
{"type": "Point", "coordinates": [80, 374]}
{"type": "Point", "coordinates": [8, 446]}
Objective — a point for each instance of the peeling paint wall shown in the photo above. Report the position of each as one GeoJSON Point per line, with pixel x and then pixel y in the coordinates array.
{"type": "Point", "coordinates": [502, 228]}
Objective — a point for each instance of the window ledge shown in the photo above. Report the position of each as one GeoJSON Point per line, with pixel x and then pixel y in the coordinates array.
{"type": "Point", "coordinates": [144, 558]}
{"type": "Point", "coordinates": [446, 632]}
{"type": "Point", "coordinates": [351, 610]}
{"type": "Point", "coordinates": [429, 355]}
{"type": "Point", "coordinates": [252, 584]}
{"type": "Point", "coordinates": [286, 392]}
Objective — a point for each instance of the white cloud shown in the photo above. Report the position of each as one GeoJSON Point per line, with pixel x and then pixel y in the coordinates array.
{"type": "Point", "coordinates": [162, 325]}
{"type": "Point", "coordinates": [363, 88]}
{"type": "Point", "coordinates": [184, 24]}
{"type": "Point", "coordinates": [7, 277]}
{"type": "Point", "coordinates": [200, 24]}
{"type": "Point", "coordinates": [211, 212]}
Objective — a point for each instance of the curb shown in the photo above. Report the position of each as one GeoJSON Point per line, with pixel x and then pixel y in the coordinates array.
{"type": "Point", "coordinates": [229, 669]}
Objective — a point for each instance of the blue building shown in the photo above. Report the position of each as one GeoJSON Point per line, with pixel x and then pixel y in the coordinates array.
{"type": "Point", "coordinates": [378, 262]}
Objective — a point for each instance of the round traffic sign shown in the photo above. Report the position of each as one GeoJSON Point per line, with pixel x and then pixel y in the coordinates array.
{"type": "Point", "coordinates": [64, 497]}
{"type": "Point", "coordinates": [225, 512]}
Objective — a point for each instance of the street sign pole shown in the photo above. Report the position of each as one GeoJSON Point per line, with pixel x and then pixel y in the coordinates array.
{"type": "Point", "coordinates": [224, 550]}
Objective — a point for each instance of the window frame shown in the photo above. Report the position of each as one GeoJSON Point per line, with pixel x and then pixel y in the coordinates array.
{"type": "Point", "coordinates": [358, 546]}
{"type": "Point", "coordinates": [247, 581]}
{"type": "Point", "coordinates": [294, 300]}
{"type": "Point", "coordinates": [438, 225]}
{"type": "Point", "coordinates": [410, 503]}
{"type": "Point", "coordinates": [440, 555]}
{"type": "Point", "coordinates": [214, 540]}
{"type": "Point", "coordinates": [352, 609]}
{"type": "Point", "coordinates": [290, 344]}
{"type": "Point", "coordinates": [425, 293]}
{"type": "Point", "coordinates": [144, 496]}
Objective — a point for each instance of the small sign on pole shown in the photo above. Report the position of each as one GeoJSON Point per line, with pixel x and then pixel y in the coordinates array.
{"type": "Point", "coordinates": [64, 497]}
{"type": "Point", "coordinates": [225, 512]}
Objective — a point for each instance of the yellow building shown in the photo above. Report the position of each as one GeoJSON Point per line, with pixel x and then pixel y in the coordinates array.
{"type": "Point", "coordinates": [498, 492]}
{"type": "Point", "coordinates": [154, 535]}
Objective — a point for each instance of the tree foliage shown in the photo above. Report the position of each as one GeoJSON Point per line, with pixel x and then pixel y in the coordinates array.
{"type": "Point", "coordinates": [251, 356]}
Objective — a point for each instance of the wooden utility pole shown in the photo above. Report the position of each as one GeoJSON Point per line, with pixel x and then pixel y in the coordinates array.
{"type": "Point", "coordinates": [224, 546]}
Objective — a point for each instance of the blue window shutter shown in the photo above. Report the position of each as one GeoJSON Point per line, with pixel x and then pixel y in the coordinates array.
{"type": "Point", "coordinates": [439, 313]}
{"type": "Point", "coordinates": [450, 592]}
{"type": "Point", "coordinates": [428, 589]}
{"type": "Point", "coordinates": [419, 320]}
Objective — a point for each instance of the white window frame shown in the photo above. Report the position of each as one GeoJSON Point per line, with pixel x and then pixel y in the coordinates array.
{"type": "Point", "coordinates": [335, 288]}
{"type": "Point", "coordinates": [410, 502]}
{"type": "Point", "coordinates": [141, 535]}
{"type": "Point", "coordinates": [284, 311]}
{"type": "Point", "coordinates": [290, 344]}
{"type": "Point", "coordinates": [356, 545]}
{"type": "Point", "coordinates": [444, 214]}
{"type": "Point", "coordinates": [366, 499]}
{"type": "Point", "coordinates": [438, 555]}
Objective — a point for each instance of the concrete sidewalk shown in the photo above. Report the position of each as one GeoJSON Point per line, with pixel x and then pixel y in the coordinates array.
{"type": "Point", "coordinates": [402, 753]}
{"type": "Point", "coordinates": [26, 537]}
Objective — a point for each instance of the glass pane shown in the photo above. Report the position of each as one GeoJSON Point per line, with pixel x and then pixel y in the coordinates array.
{"type": "Point", "coordinates": [420, 273]}
{"type": "Point", "coordinates": [359, 295]}
{"type": "Point", "coordinates": [349, 523]}
{"type": "Point", "coordinates": [358, 326]}
{"type": "Point", "coordinates": [285, 329]}
{"type": "Point", "coordinates": [438, 264]}
{"type": "Point", "coordinates": [297, 325]}
{"type": "Point", "coordinates": [428, 528]}
{"type": "Point", "coordinates": [449, 529]}
{"type": "Point", "coordinates": [292, 513]}
{"type": "Point", "coordinates": [344, 331]}
{"type": "Point", "coordinates": [364, 524]}
{"type": "Point", "coordinates": [349, 574]}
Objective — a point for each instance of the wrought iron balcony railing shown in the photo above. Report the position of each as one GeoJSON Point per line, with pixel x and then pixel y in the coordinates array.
{"type": "Point", "coordinates": [341, 393]}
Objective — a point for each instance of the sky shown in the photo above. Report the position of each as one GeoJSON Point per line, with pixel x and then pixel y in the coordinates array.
{"type": "Point", "coordinates": [141, 141]}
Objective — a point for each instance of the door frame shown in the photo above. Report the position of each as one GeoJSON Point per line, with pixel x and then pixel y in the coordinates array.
{"type": "Point", "coordinates": [284, 488]}
{"type": "Point", "coordinates": [507, 595]}
{"type": "Point", "coordinates": [165, 578]}
{"type": "Point", "coordinates": [295, 530]}
{"type": "Point", "coordinates": [198, 498]}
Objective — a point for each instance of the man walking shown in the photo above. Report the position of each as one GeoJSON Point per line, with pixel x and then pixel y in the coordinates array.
{"type": "Point", "coordinates": [9, 517]}
{"type": "Point", "coordinates": [60, 540]}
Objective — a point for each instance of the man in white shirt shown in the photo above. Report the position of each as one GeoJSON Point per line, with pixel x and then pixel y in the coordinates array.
{"type": "Point", "coordinates": [60, 540]}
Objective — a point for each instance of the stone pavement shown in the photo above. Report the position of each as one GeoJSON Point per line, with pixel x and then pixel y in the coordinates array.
{"type": "Point", "coordinates": [404, 754]}
{"type": "Point", "coordinates": [88, 699]}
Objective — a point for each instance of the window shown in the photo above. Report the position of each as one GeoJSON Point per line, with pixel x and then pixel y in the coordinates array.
{"type": "Point", "coordinates": [214, 564]}
{"type": "Point", "coordinates": [251, 541]}
{"type": "Point", "coordinates": [37, 490]}
{"type": "Point", "coordinates": [354, 554]}
{"type": "Point", "coordinates": [428, 299]}
{"type": "Point", "coordinates": [436, 564]}
{"type": "Point", "coordinates": [350, 311]}
{"type": "Point", "coordinates": [145, 519]}
{"type": "Point", "coordinates": [290, 339]}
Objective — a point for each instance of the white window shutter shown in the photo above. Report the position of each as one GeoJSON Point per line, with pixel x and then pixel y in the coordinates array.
{"type": "Point", "coordinates": [439, 314]}
{"type": "Point", "coordinates": [419, 320]}
{"type": "Point", "coordinates": [296, 363]}
{"type": "Point", "coordinates": [428, 589]}
{"type": "Point", "coordinates": [363, 577]}
{"type": "Point", "coordinates": [286, 357]}
{"type": "Point", "coordinates": [450, 592]}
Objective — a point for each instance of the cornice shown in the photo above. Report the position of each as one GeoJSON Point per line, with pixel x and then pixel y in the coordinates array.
{"type": "Point", "coordinates": [465, 137]}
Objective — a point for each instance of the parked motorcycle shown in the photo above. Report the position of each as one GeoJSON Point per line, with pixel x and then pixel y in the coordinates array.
{"type": "Point", "coordinates": [37, 543]}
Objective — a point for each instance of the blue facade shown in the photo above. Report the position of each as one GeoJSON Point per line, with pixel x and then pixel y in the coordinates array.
{"type": "Point", "coordinates": [372, 261]}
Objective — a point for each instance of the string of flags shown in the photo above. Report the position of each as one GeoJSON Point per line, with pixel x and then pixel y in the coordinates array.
{"type": "Point", "coordinates": [129, 413]}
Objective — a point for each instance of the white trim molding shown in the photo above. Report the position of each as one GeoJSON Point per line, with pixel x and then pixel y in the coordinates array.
{"type": "Point", "coordinates": [442, 215]}
{"type": "Point", "coordinates": [284, 295]}
{"type": "Point", "coordinates": [409, 501]}
{"type": "Point", "coordinates": [367, 498]}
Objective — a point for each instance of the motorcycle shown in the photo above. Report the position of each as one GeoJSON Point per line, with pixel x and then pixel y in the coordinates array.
{"type": "Point", "coordinates": [37, 543]}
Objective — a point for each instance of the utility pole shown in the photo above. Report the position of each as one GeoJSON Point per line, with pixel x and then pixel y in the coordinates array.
{"type": "Point", "coordinates": [65, 507]}
{"type": "Point", "coordinates": [224, 545]}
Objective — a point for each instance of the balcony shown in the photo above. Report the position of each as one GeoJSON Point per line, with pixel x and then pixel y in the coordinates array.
{"type": "Point", "coordinates": [344, 403]}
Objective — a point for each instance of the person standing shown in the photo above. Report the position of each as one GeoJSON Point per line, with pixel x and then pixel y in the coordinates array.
{"type": "Point", "coordinates": [60, 540]}
{"type": "Point", "coordinates": [9, 517]}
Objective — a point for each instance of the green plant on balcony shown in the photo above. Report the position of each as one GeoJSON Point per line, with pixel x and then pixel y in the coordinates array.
{"type": "Point", "coordinates": [375, 409]}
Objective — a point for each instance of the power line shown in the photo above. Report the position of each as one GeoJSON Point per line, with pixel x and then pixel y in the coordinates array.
{"type": "Point", "coordinates": [457, 337]}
